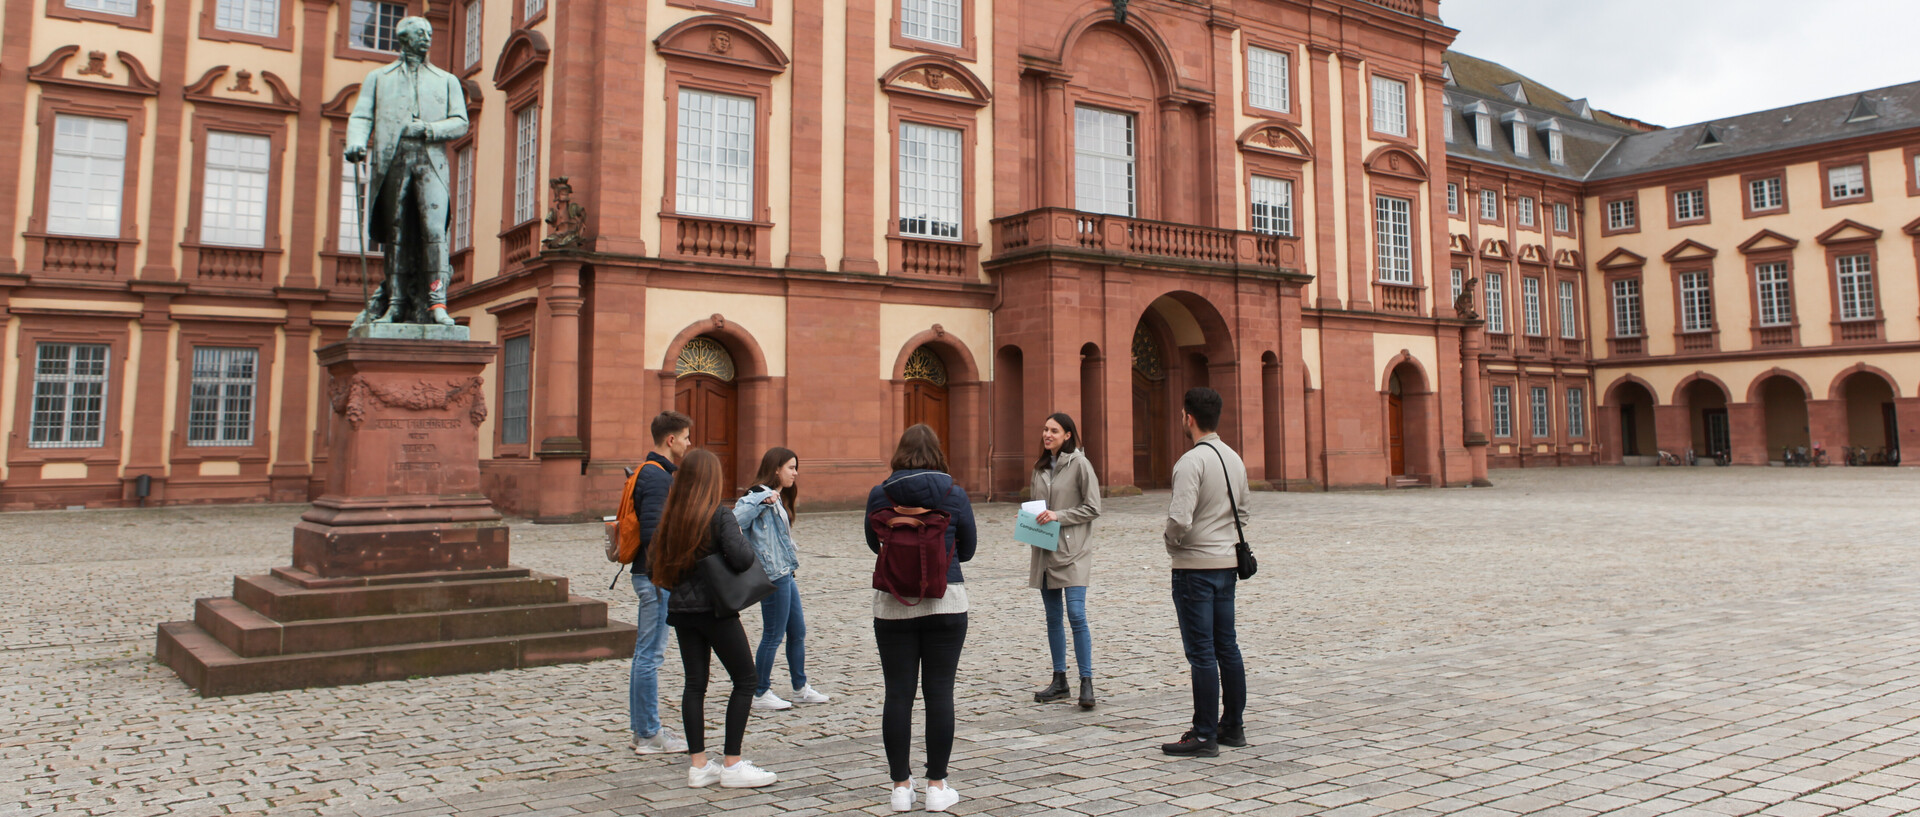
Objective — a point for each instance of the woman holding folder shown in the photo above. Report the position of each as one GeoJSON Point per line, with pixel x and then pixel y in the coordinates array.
{"type": "Point", "coordinates": [1064, 479]}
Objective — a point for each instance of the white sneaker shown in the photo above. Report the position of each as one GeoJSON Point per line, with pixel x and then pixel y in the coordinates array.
{"type": "Point", "coordinates": [768, 700]}
{"type": "Point", "coordinates": [662, 741]}
{"type": "Point", "coordinates": [745, 775]}
{"type": "Point", "coordinates": [942, 798]}
{"type": "Point", "coordinates": [701, 777]}
{"type": "Point", "coordinates": [808, 695]}
{"type": "Point", "coordinates": [903, 796]}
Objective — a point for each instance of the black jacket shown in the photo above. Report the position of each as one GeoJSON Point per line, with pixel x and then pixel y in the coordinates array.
{"type": "Point", "coordinates": [649, 496]}
{"type": "Point", "coordinates": [691, 594]}
{"type": "Point", "coordinates": [928, 489]}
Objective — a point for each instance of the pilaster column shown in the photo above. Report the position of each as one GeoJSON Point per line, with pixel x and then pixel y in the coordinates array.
{"type": "Point", "coordinates": [16, 45]}
{"type": "Point", "coordinates": [147, 455]}
{"type": "Point", "coordinates": [292, 469]}
{"type": "Point", "coordinates": [1056, 126]}
{"type": "Point", "coordinates": [562, 486]}
{"type": "Point", "coordinates": [1358, 204]}
{"type": "Point", "coordinates": [1177, 163]}
{"type": "Point", "coordinates": [169, 130]}
{"type": "Point", "coordinates": [1324, 205]}
{"type": "Point", "coordinates": [1471, 391]}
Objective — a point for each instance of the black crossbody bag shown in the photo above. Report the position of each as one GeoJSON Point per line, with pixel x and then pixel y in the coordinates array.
{"type": "Point", "coordinates": [1244, 563]}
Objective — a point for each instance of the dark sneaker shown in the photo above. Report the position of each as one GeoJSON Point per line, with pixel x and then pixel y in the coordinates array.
{"type": "Point", "coordinates": [1190, 746]}
{"type": "Point", "coordinates": [1235, 737]}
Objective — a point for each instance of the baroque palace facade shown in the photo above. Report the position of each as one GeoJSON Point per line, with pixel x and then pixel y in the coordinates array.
{"type": "Point", "coordinates": [811, 224]}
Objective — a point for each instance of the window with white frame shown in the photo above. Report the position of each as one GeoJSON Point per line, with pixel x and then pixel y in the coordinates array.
{"type": "Point", "coordinates": [936, 21]}
{"type": "Point", "coordinates": [1556, 148]}
{"type": "Point", "coordinates": [122, 7]}
{"type": "Point", "coordinates": [1390, 106]}
{"type": "Point", "coordinates": [220, 408]}
{"type": "Point", "coordinates": [715, 155]}
{"type": "Point", "coordinates": [1522, 145]}
{"type": "Point", "coordinates": [1620, 214]}
{"type": "Point", "coordinates": [1542, 412]}
{"type": "Point", "coordinates": [1764, 194]}
{"type": "Point", "coordinates": [1689, 205]}
{"type": "Point", "coordinates": [1483, 131]}
{"type": "Point", "coordinates": [260, 17]}
{"type": "Point", "coordinates": [1269, 79]}
{"type": "Point", "coordinates": [1496, 303]}
{"type": "Point", "coordinates": [1490, 205]}
{"type": "Point", "coordinates": [1103, 169]}
{"type": "Point", "coordinates": [929, 181]}
{"type": "Point", "coordinates": [1846, 182]}
{"type": "Point", "coordinates": [1393, 237]}
{"type": "Point", "coordinates": [1272, 206]}
{"type": "Point", "coordinates": [1446, 122]}
{"type": "Point", "coordinates": [1525, 208]}
{"type": "Point", "coordinates": [89, 170]}
{"type": "Point", "coordinates": [1530, 304]}
{"type": "Point", "coordinates": [350, 230]}
{"type": "Point", "coordinates": [515, 388]}
{"type": "Point", "coordinates": [532, 9]}
{"type": "Point", "coordinates": [1576, 412]}
{"type": "Point", "coordinates": [1855, 274]}
{"type": "Point", "coordinates": [1459, 282]}
{"type": "Point", "coordinates": [1502, 404]}
{"type": "Point", "coordinates": [1696, 302]}
{"type": "Point", "coordinates": [1776, 294]}
{"type": "Point", "coordinates": [233, 202]}
{"type": "Point", "coordinates": [1453, 198]}
{"type": "Point", "coordinates": [1626, 308]}
{"type": "Point", "coordinates": [1569, 319]}
{"type": "Point", "coordinates": [371, 25]}
{"type": "Point", "coordinates": [1562, 218]}
{"type": "Point", "coordinates": [470, 37]}
{"type": "Point", "coordinates": [69, 395]}
{"type": "Point", "coordinates": [463, 199]}
{"type": "Point", "coordinates": [526, 161]}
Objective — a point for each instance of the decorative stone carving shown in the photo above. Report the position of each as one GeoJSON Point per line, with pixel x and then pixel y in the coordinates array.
{"type": "Point", "coordinates": [719, 321]}
{"type": "Point", "coordinates": [350, 397]}
{"type": "Point", "coordinates": [939, 331]}
{"type": "Point", "coordinates": [565, 217]}
{"type": "Point", "coordinates": [96, 65]}
{"type": "Point", "coordinates": [243, 83]}
{"type": "Point", "coordinates": [1463, 303]}
{"type": "Point", "coordinates": [720, 42]}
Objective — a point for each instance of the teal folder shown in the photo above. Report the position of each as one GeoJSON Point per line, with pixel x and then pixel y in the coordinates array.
{"type": "Point", "coordinates": [1028, 530]}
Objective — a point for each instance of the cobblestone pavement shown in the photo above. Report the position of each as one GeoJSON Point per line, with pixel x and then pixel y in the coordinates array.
{"type": "Point", "coordinates": [1628, 641]}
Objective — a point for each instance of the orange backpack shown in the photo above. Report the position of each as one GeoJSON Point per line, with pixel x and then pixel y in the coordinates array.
{"type": "Point", "coordinates": [623, 535]}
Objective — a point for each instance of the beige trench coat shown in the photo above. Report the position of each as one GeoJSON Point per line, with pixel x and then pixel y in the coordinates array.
{"type": "Point", "coordinates": [1072, 492]}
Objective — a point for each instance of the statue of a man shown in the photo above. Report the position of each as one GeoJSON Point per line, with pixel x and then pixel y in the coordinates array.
{"type": "Point", "coordinates": [408, 109]}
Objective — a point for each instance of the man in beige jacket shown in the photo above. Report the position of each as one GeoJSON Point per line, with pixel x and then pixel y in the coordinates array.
{"type": "Point", "coordinates": [1201, 533]}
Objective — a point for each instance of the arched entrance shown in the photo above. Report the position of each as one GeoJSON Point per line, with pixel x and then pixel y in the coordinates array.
{"type": "Point", "coordinates": [1707, 409]}
{"type": "Point", "coordinates": [1870, 415]}
{"type": "Point", "coordinates": [1783, 405]}
{"type": "Point", "coordinates": [1093, 408]}
{"type": "Point", "coordinates": [1407, 397]}
{"type": "Point", "coordinates": [926, 396]}
{"type": "Point", "coordinates": [1635, 405]}
{"type": "Point", "coordinates": [1396, 427]}
{"type": "Point", "coordinates": [704, 390]}
{"type": "Point", "coordinates": [1180, 342]}
{"type": "Point", "coordinates": [1152, 467]}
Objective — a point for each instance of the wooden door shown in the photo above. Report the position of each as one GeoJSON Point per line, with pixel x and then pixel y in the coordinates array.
{"type": "Point", "coordinates": [1151, 467]}
{"type": "Point", "coordinates": [713, 405]}
{"type": "Point", "coordinates": [1396, 436]}
{"type": "Point", "coordinates": [927, 403]}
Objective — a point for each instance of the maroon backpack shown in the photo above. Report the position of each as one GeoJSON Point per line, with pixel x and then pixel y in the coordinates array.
{"type": "Point", "coordinates": [913, 552]}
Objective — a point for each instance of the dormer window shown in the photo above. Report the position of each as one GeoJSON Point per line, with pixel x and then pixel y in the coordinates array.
{"type": "Point", "coordinates": [1581, 108]}
{"type": "Point", "coordinates": [1522, 146]}
{"type": "Point", "coordinates": [1556, 143]}
{"type": "Point", "coordinates": [1482, 125]}
{"type": "Point", "coordinates": [1446, 118]}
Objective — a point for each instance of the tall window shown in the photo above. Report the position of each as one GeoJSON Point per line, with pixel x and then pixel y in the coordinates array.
{"type": "Point", "coordinates": [1562, 218]}
{"type": "Point", "coordinates": [1569, 319]}
{"type": "Point", "coordinates": [463, 199]}
{"type": "Point", "coordinates": [1626, 308]}
{"type": "Point", "coordinates": [1542, 412]}
{"type": "Point", "coordinates": [233, 205]}
{"type": "Point", "coordinates": [1268, 79]}
{"type": "Point", "coordinates": [1525, 208]}
{"type": "Point", "coordinates": [89, 168]}
{"type": "Point", "coordinates": [1496, 303]}
{"type": "Point", "coordinates": [929, 181]}
{"type": "Point", "coordinates": [1522, 146]}
{"type": "Point", "coordinates": [1856, 287]}
{"type": "Point", "coordinates": [69, 395]}
{"type": "Point", "coordinates": [220, 411]}
{"type": "Point", "coordinates": [123, 7]}
{"type": "Point", "coordinates": [350, 229]}
{"type": "Point", "coordinates": [250, 16]}
{"type": "Point", "coordinates": [1696, 303]}
{"type": "Point", "coordinates": [1393, 236]}
{"type": "Point", "coordinates": [1483, 131]}
{"type": "Point", "coordinates": [1103, 161]}
{"type": "Point", "coordinates": [936, 21]}
{"type": "Point", "coordinates": [1689, 205]}
{"type": "Point", "coordinates": [1556, 148]}
{"type": "Point", "coordinates": [1620, 215]}
{"type": "Point", "coordinates": [1776, 295]}
{"type": "Point", "coordinates": [1446, 121]}
{"type": "Point", "coordinates": [514, 389]}
{"type": "Point", "coordinates": [1389, 106]}
{"type": "Point", "coordinates": [1272, 205]}
{"type": "Point", "coordinates": [1490, 205]}
{"type": "Point", "coordinates": [1502, 411]}
{"type": "Point", "coordinates": [1530, 304]}
{"type": "Point", "coordinates": [526, 160]}
{"type": "Point", "coordinates": [716, 155]}
{"type": "Point", "coordinates": [372, 23]}
{"type": "Point", "coordinates": [1764, 194]}
{"type": "Point", "coordinates": [1458, 279]}
{"type": "Point", "coordinates": [1576, 412]}
{"type": "Point", "coordinates": [470, 37]}
{"type": "Point", "coordinates": [533, 8]}
{"type": "Point", "coordinates": [1453, 198]}
{"type": "Point", "coordinates": [1846, 182]}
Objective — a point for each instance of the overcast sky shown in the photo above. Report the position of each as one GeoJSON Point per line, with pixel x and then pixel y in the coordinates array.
{"type": "Point", "coordinates": [1677, 62]}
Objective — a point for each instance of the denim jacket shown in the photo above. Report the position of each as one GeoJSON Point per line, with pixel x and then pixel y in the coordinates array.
{"type": "Point", "coordinates": [767, 530]}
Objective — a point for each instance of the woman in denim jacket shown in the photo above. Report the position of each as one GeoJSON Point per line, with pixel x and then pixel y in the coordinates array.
{"type": "Point", "coordinates": [766, 516]}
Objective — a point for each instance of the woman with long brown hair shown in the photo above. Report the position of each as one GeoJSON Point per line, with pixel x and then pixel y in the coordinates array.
{"type": "Point", "coordinates": [766, 517]}
{"type": "Point", "coordinates": [694, 525]}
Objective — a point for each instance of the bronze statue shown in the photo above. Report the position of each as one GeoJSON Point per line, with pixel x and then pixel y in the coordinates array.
{"type": "Point", "coordinates": [565, 217]}
{"type": "Point", "coordinates": [408, 109]}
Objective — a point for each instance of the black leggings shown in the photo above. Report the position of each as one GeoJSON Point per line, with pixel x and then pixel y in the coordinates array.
{"type": "Point", "coordinates": [699, 633]}
{"type": "Point", "coordinates": [906, 647]}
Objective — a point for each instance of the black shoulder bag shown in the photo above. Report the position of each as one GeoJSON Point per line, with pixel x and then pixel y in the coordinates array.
{"type": "Point", "coordinates": [1244, 563]}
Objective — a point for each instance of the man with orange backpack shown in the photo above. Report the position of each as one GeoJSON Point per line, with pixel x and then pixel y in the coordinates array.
{"type": "Point", "coordinates": [646, 494]}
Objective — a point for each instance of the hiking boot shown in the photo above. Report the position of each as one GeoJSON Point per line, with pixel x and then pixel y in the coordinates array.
{"type": "Point", "coordinates": [1056, 691]}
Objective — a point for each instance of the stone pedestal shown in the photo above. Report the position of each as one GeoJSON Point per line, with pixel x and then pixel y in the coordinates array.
{"type": "Point", "coordinates": [401, 567]}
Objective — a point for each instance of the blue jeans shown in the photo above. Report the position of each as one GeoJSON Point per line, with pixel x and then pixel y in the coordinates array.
{"type": "Point", "coordinates": [780, 617]}
{"type": "Point", "coordinates": [1203, 599]}
{"type": "Point", "coordinates": [1076, 610]}
{"type": "Point", "coordinates": [649, 650]}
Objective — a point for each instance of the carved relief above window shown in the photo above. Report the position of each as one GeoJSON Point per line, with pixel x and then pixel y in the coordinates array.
{"type": "Point", "coordinates": [923, 364]}
{"type": "Point", "coordinates": [704, 355]}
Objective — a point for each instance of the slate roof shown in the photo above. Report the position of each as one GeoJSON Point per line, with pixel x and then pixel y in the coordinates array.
{"type": "Point", "coordinates": [1475, 80]}
{"type": "Point", "coordinates": [1892, 108]}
